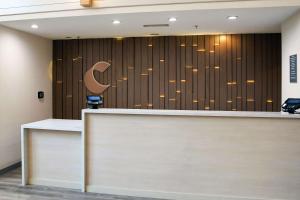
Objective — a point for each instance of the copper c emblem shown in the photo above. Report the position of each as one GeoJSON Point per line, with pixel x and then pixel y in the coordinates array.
{"type": "Point", "coordinates": [89, 79]}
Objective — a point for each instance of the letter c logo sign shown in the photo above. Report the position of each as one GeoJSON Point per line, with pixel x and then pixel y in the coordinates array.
{"type": "Point", "coordinates": [89, 79]}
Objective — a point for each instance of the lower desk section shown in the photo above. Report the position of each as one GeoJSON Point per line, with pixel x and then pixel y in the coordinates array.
{"type": "Point", "coordinates": [54, 158]}
{"type": "Point", "coordinates": [190, 155]}
{"type": "Point", "coordinates": [52, 155]}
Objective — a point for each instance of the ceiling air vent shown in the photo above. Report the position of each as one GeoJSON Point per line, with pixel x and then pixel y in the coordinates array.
{"type": "Point", "coordinates": [156, 25]}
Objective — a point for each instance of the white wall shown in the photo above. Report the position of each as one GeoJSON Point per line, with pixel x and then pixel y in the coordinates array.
{"type": "Point", "coordinates": [25, 68]}
{"type": "Point", "coordinates": [290, 46]}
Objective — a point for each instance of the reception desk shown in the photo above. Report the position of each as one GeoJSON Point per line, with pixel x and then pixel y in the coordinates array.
{"type": "Point", "coordinates": [51, 153]}
{"type": "Point", "coordinates": [190, 155]}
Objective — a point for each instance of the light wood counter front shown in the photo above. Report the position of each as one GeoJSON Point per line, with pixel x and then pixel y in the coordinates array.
{"type": "Point", "coordinates": [192, 155]}
{"type": "Point", "coordinates": [51, 153]}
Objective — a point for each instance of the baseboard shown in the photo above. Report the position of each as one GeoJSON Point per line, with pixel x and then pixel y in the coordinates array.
{"type": "Point", "coordinates": [55, 183]}
{"type": "Point", "coordinates": [10, 168]}
{"type": "Point", "coordinates": [167, 194]}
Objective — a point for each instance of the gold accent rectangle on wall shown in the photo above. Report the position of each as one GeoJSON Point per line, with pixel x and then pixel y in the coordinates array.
{"type": "Point", "coordinates": [86, 3]}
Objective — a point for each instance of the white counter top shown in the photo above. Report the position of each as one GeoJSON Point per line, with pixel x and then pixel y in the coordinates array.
{"type": "Point", "coordinates": [56, 124]}
{"type": "Point", "coordinates": [200, 113]}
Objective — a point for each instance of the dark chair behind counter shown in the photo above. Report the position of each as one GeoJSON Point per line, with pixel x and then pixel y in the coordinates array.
{"type": "Point", "coordinates": [93, 101]}
{"type": "Point", "coordinates": [291, 105]}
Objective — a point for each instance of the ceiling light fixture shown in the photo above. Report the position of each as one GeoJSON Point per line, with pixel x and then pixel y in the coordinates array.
{"type": "Point", "coordinates": [232, 17]}
{"type": "Point", "coordinates": [34, 26]}
{"type": "Point", "coordinates": [172, 19]}
{"type": "Point", "coordinates": [116, 22]}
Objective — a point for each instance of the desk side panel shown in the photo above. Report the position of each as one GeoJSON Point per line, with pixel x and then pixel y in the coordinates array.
{"type": "Point", "coordinates": [54, 158]}
{"type": "Point", "coordinates": [24, 154]}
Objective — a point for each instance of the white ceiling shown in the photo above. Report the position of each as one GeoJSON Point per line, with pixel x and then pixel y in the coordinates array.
{"type": "Point", "coordinates": [253, 20]}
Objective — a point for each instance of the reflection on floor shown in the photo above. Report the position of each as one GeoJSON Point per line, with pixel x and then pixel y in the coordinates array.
{"type": "Point", "coordinates": [11, 189]}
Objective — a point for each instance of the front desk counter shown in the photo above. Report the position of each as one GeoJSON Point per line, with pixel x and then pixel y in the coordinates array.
{"type": "Point", "coordinates": [188, 155]}
{"type": "Point", "coordinates": [51, 153]}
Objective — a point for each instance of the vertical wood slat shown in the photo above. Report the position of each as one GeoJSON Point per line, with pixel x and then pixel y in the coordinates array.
{"type": "Point", "coordinates": [162, 61]}
{"type": "Point", "coordinates": [58, 80]}
{"type": "Point", "coordinates": [137, 73]}
{"type": "Point", "coordinates": [195, 72]}
{"type": "Point", "coordinates": [89, 57]}
{"type": "Point", "coordinates": [212, 72]}
{"type": "Point", "coordinates": [250, 73]}
{"type": "Point", "coordinates": [64, 79]}
{"type": "Point", "coordinates": [144, 73]}
{"type": "Point", "coordinates": [156, 72]}
{"type": "Point", "coordinates": [275, 81]}
{"type": "Point", "coordinates": [172, 73]}
{"type": "Point", "coordinates": [150, 72]}
{"type": "Point", "coordinates": [269, 74]}
{"type": "Point", "coordinates": [278, 66]}
{"type": "Point", "coordinates": [223, 73]}
{"type": "Point", "coordinates": [264, 74]}
{"type": "Point", "coordinates": [118, 57]}
{"type": "Point", "coordinates": [219, 72]}
{"type": "Point", "coordinates": [101, 57]}
{"type": "Point", "coordinates": [244, 72]}
{"type": "Point", "coordinates": [67, 79]}
{"type": "Point", "coordinates": [166, 72]}
{"type": "Point", "coordinates": [96, 56]}
{"type": "Point", "coordinates": [124, 76]}
{"type": "Point", "coordinates": [75, 79]}
{"type": "Point", "coordinates": [109, 74]}
{"type": "Point", "coordinates": [239, 72]}
{"type": "Point", "coordinates": [130, 68]}
{"type": "Point", "coordinates": [84, 69]}
{"type": "Point", "coordinates": [234, 72]}
{"type": "Point", "coordinates": [54, 77]}
{"type": "Point", "coordinates": [182, 74]}
{"type": "Point", "coordinates": [113, 74]}
{"type": "Point", "coordinates": [80, 78]}
{"type": "Point", "coordinates": [207, 73]}
{"type": "Point", "coordinates": [230, 82]}
{"type": "Point", "coordinates": [178, 73]}
{"type": "Point", "coordinates": [189, 73]}
{"type": "Point", "coordinates": [201, 72]}
{"type": "Point", "coordinates": [258, 72]}
{"type": "Point", "coordinates": [104, 50]}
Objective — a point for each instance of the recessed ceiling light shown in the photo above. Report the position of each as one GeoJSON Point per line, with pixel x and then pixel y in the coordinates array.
{"type": "Point", "coordinates": [172, 19]}
{"type": "Point", "coordinates": [232, 17]}
{"type": "Point", "coordinates": [116, 22]}
{"type": "Point", "coordinates": [34, 26]}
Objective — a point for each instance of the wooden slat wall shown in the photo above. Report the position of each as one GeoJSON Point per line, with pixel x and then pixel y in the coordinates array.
{"type": "Point", "coordinates": [212, 72]}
